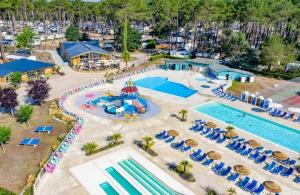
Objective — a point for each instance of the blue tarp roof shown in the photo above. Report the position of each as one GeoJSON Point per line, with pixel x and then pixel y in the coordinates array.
{"type": "Point", "coordinates": [22, 65]}
{"type": "Point", "coordinates": [77, 48]}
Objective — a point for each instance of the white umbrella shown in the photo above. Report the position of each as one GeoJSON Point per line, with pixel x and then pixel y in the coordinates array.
{"type": "Point", "coordinates": [276, 105]}
{"type": "Point", "coordinates": [294, 109]}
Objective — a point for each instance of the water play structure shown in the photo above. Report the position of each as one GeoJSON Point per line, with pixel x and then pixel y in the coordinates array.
{"type": "Point", "coordinates": [127, 102]}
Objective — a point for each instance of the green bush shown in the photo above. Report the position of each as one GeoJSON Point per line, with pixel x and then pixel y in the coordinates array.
{"type": "Point", "coordinates": [109, 146]}
{"type": "Point", "coordinates": [6, 192]}
{"type": "Point", "coordinates": [156, 57]}
{"type": "Point", "coordinates": [25, 113]}
{"type": "Point", "coordinates": [90, 147]}
{"type": "Point", "coordinates": [58, 115]}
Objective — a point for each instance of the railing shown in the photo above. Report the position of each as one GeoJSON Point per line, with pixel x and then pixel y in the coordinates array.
{"type": "Point", "coordinates": [62, 149]}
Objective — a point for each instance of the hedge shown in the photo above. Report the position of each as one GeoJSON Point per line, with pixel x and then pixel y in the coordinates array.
{"type": "Point", "coordinates": [109, 146]}
{"type": "Point", "coordinates": [6, 192]}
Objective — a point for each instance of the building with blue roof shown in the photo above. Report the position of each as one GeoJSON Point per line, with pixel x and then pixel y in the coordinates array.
{"type": "Point", "coordinates": [30, 69]}
{"type": "Point", "coordinates": [86, 55]}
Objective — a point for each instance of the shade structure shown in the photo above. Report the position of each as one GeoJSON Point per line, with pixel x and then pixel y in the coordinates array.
{"type": "Point", "coordinates": [210, 125]}
{"type": "Point", "coordinates": [214, 155]}
{"type": "Point", "coordinates": [242, 170]}
{"type": "Point", "coordinates": [230, 134]}
{"type": "Point", "coordinates": [253, 143]}
{"type": "Point", "coordinates": [294, 109]}
{"type": "Point", "coordinates": [191, 142]}
{"type": "Point", "coordinates": [271, 186]}
{"type": "Point", "coordinates": [173, 133]}
{"type": "Point", "coordinates": [279, 155]}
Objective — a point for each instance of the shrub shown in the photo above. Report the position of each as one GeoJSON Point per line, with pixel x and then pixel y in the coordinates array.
{"type": "Point", "coordinates": [6, 192]}
{"type": "Point", "coordinates": [109, 146]}
{"type": "Point", "coordinates": [58, 115]}
{"type": "Point", "coordinates": [90, 147]}
{"type": "Point", "coordinates": [25, 113]}
{"type": "Point", "coordinates": [156, 57]}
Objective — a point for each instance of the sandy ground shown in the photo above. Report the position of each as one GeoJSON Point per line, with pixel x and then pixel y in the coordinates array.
{"type": "Point", "coordinates": [98, 128]}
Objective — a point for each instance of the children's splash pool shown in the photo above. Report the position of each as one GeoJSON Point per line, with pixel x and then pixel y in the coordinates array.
{"type": "Point", "coordinates": [162, 84]}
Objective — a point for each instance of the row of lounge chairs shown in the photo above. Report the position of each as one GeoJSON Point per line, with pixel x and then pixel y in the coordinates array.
{"type": "Point", "coordinates": [219, 92]}
{"type": "Point", "coordinates": [279, 169]}
{"type": "Point", "coordinates": [216, 135]}
{"type": "Point", "coordinates": [279, 113]}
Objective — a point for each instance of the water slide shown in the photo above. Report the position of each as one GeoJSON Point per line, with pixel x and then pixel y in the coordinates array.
{"type": "Point", "coordinates": [140, 107]}
{"type": "Point", "coordinates": [115, 110]}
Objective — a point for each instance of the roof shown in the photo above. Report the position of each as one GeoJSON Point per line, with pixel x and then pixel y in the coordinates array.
{"type": "Point", "coordinates": [22, 65]}
{"type": "Point", "coordinates": [175, 61]}
{"type": "Point", "coordinates": [221, 68]}
{"type": "Point", "coordinates": [77, 48]}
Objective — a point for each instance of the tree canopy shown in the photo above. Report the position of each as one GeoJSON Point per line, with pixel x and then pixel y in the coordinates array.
{"type": "Point", "coordinates": [26, 38]}
{"type": "Point", "coordinates": [72, 33]}
{"type": "Point", "coordinates": [39, 90]}
{"type": "Point", "coordinates": [5, 133]}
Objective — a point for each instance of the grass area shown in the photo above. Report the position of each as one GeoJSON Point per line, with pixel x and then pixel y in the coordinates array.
{"type": "Point", "coordinates": [237, 87]}
{"type": "Point", "coordinates": [21, 161]}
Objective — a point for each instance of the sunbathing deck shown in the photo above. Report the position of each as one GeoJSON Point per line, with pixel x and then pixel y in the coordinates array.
{"type": "Point", "coordinates": [97, 129]}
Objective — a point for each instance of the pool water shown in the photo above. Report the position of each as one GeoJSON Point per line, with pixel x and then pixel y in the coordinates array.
{"type": "Point", "coordinates": [233, 75]}
{"type": "Point", "coordinates": [122, 181]}
{"type": "Point", "coordinates": [162, 84]}
{"type": "Point", "coordinates": [269, 130]}
{"type": "Point", "coordinates": [108, 189]}
{"type": "Point", "coordinates": [145, 178]}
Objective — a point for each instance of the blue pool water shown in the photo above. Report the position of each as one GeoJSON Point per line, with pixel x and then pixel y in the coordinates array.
{"type": "Point", "coordinates": [233, 75]}
{"type": "Point", "coordinates": [163, 85]}
{"type": "Point", "coordinates": [274, 132]}
{"type": "Point", "coordinates": [145, 178]}
{"type": "Point", "coordinates": [122, 181]}
{"type": "Point", "coordinates": [108, 189]}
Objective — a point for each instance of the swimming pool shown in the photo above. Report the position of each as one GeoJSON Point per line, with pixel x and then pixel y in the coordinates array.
{"type": "Point", "coordinates": [269, 130]}
{"type": "Point", "coordinates": [233, 75]}
{"type": "Point", "coordinates": [108, 189]}
{"type": "Point", "coordinates": [145, 178]}
{"type": "Point", "coordinates": [162, 84]}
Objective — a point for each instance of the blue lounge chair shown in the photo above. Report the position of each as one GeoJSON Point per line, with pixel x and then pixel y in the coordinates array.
{"type": "Point", "coordinates": [211, 134]}
{"type": "Point", "coordinates": [261, 159]}
{"type": "Point", "coordinates": [161, 134]}
{"type": "Point", "coordinates": [233, 99]}
{"type": "Point", "coordinates": [208, 162]}
{"type": "Point", "coordinates": [277, 170]}
{"type": "Point", "coordinates": [270, 166]}
{"type": "Point", "coordinates": [247, 152]}
{"type": "Point", "coordinates": [218, 167]}
{"type": "Point", "coordinates": [288, 172]}
{"type": "Point", "coordinates": [185, 148]}
{"type": "Point", "coordinates": [241, 149]}
{"type": "Point", "coordinates": [233, 177]}
{"type": "Point", "coordinates": [205, 131]}
{"type": "Point", "coordinates": [297, 120]}
{"type": "Point", "coordinates": [251, 185]}
{"type": "Point", "coordinates": [230, 145]}
{"type": "Point", "coordinates": [195, 154]}
{"type": "Point", "coordinates": [225, 172]}
{"type": "Point", "coordinates": [216, 136]}
{"type": "Point", "coordinates": [243, 182]}
{"type": "Point", "coordinates": [25, 141]}
{"type": "Point", "coordinates": [297, 179]}
{"type": "Point", "coordinates": [254, 156]}
{"type": "Point", "coordinates": [196, 126]}
{"type": "Point", "coordinates": [267, 152]}
{"type": "Point", "coordinates": [221, 140]}
{"type": "Point", "coordinates": [236, 147]}
{"type": "Point", "coordinates": [288, 116]}
{"type": "Point", "coordinates": [178, 145]}
{"type": "Point", "coordinates": [199, 129]}
{"type": "Point", "coordinates": [170, 140]}
{"type": "Point", "coordinates": [292, 162]}
{"type": "Point", "coordinates": [200, 158]}
{"type": "Point", "coordinates": [259, 189]}
{"type": "Point", "coordinates": [165, 136]}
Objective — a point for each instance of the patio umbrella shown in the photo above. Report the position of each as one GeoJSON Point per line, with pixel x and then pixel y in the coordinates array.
{"type": "Point", "coordinates": [230, 134]}
{"type": "Point", "coordinates": [210, 125]}
{"type": "Point", "coordinates": [279, 155]}
{"type": "Point", "coordinates": [173, 133]}
{"type": "Point", "coordinates": [242, 170]}
{"type": "Point", "coordinates": [214, 155]}
{"type": "Point", "coordinates": [294, 109]}
{"type": "Point", "coordinates": [253, 143]}
{"type": "Point", "coordinates": [191, 142]}
{"type": "Point", "coordinates": [271, 186]}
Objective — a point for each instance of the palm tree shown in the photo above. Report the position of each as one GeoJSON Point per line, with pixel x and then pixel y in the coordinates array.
{"type": "Point", "coordinates": [183, 113]}
{"type": "Point", "coordinates": [186, 165]}
{"type": "Point", "coordinates": [125, 55]}
{"type": "Point", "coordinates": [231, 191]}
{"type": "Point", "coordinates": [115, 137]}
{"type": "Point", "coordinates": [148, 142]}
{"type": "Point", "coordinates": [229, 128]}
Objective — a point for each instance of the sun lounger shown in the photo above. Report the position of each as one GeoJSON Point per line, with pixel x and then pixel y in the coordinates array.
{"type": "Point", "coordinates": [254, 156]}
{"type": "Point", "coordinates": [208, 162]}
{"type": "Point", "coordinates": [288, 172]}
{"type": "Point", "coordinates": [195, 154]}
{"type": "Point", "coordinates": [161, 134]}
{"type": "Point", "coordinates": [185, 148]}
{"type": "Point", "coordinates": [221, 140]}
{"type": "Point", "coordinates": [258, 190]}
{"type": "Point", "coordinates": [211, 134]}
{"type": "Point", "coordinates": [178, 145]}
{"type": "Point", "coordinates": [292, 162]}
{"type": "Point", "coordinates": [270, 166]}
{"type": "Point", "coordinates": [251, 185]}
{"type": "Point", "coordinates": [216, 136]}
{"type": "Point", "coordinates": [260, 159]}
{"type": "Point", "coordinates": [288, 116]}
{"type": "Point", "coordinates": [204, 131]}
{"type": "Point", "coordinates": [243, 182]}
{"type": "Point", "coordinates": [201, 158]}
{"type": "Point", "coordinates": [267, 152]}
{"type": "Point", "coordinates": [165, 136]}
{"type": "Point", "coordinates": [170, 140]}
{"type": "Point", "coordinates": [236, 147]}
{"type": "Point", "coordinates": [225, 172]}
{"type": "Point", "coordinates": [277, 170]}
{"type": "Point", "coordinates": [230, 145]}
{"type": "Point", "coordinates": [241, 149]}
{"type": "Point", "coordinates": [233, 177]}
{"type": "Point", "coordinates": [297, 179]}
{"type": "Point", "coordinates": [218, 167]}
{"type": "Point", "coordinates": [297, 120]}
{"type": "Point", "coordinates": [247, 152]}
{"type": "Point", "coordinates": [233, 99]}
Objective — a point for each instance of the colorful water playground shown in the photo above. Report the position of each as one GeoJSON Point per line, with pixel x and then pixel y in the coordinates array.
{"type": "Point", "coordinates": [127, 102]}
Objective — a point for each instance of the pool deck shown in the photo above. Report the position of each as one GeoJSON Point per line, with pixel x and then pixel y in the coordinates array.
{"type": "Point", "coordinates": [96, 129]}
